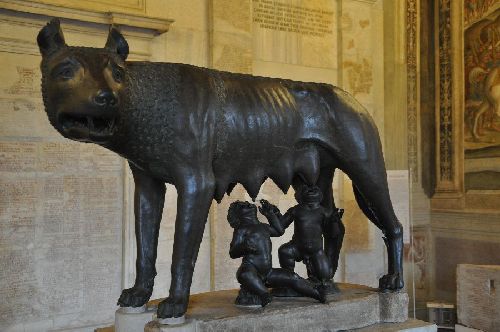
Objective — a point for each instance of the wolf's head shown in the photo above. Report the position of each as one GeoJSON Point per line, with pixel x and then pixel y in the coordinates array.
{"type": "Point", "coordinates": [82, 86]}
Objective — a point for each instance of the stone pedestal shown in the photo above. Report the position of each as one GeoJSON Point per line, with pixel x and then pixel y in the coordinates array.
{"type": "Point", "coordinates": [478, 302]}
{"type": "Point", "coordinates": [354, 307]}
{"type": "Point", "coordinates": [411, 325]}
{"type": "Point", "coordinates": [133, 319]}
{"type": "Point", "coordinates": [461, 328]}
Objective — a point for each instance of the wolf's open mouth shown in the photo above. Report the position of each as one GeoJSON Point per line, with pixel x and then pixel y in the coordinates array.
{"type": "Point", "coordinates": [92, 125]}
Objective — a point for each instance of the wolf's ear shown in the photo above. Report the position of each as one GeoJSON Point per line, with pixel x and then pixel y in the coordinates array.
{"type": "Point", "coordinates": [50, 38]}
{"type": "Point", "coordinates": [117, 43]}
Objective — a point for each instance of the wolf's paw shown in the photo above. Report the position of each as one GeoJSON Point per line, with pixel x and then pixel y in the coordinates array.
{"type": "Point", "coordinates": [171, 307]}
{"type": "Point", "coordinates": [391, 282]}
{"type": "Point", "coordinates": [134, 297]}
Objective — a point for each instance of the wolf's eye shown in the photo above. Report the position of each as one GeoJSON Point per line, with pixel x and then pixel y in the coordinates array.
{"type": "Point", "coordinates": [117, 74]}
{"type": "Point", "coordinates": [64, 73]}
{"type": "Point", "coordinates": [67, 73]}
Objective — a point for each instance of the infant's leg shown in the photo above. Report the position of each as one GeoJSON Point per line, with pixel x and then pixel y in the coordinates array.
{"type": "Point", "coordinates": [321, 266]}
{"type": "Point", "coordinates": [285, 278]}
{"type": "Point", "coordinates": [249, 279]}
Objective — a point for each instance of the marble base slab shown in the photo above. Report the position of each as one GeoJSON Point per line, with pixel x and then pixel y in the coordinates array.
{"type": "Point", "coordinates": [411, 325]}
{"type": "Point", "coordinates": [461, 328]}
{"type": "Point", "coordinates": [133, 319]}
{"type": "Point", "coordinates": [354, 307]}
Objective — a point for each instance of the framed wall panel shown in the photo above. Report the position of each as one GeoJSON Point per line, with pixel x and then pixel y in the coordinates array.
{"type": "Point", "coordinates": [467, 151]}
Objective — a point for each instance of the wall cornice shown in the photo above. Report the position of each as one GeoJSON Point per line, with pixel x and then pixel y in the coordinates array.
{"type": "Point", "coordinates": [156, 25]}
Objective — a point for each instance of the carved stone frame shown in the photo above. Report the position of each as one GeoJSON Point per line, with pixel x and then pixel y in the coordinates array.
{"type": "Point", "coordinates": [450, 191]}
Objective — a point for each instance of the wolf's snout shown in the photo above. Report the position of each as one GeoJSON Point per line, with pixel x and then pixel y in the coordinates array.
{"type": "Point", "coordinates": [105, 98]}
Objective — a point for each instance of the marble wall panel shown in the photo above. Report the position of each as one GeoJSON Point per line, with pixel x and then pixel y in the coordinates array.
{"type": "Point", "coordinates": [231, 52]}
{"type": "Point", "coordinates": [188, 14]}
{"type": "Point", "coordinates": [358, 229]}
{"type": "Point", "coordinates": [61, 208]}
{"type": "Point", "coordinates": [295, 32]}
{"type": "Point", "coordinates": [294, 72]}
{"type": "Point", "coordinates": [367, 266]}
{"type": "Point", "coordinates": [20, 98]}
{"type": "Point", "coordinates": [362, 55]}
{"type": "Point", "coordinates": [232, 16]}
{"type": "Point", "coordinates": [231, 36]}
{"type": "Point", "coordinates": [61, 235]}
{"type": "Point", "coordinates": [183, 46]}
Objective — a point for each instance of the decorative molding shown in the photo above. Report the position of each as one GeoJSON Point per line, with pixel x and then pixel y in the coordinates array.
{"type": "Point", "coordinates": [18, 46]}
{"type": "Point", "coordinates": [471, 222]}
{"type": "Point", "coordinates": [138, 6]}
{"type": "Point", "coordinates": [158, 25]}
{"type": "Point", "coordinates": [25, 41]}
{"type": "Point", "coordinates": [412, 87]}
{"type": "Point", "coordinates": [445, 110]}
{"type": "Point", "coordinates": [133, 27]}
{"type": "Point", "coordinates": [371, 2]}
{"type": "Point", "coordinates": [449, 59]}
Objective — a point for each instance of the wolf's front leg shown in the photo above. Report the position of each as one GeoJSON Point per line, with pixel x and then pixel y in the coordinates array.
{"type": "Point", "coordinates": [195, 195]}
{"type": "Point", "coordinates": [148, 206]}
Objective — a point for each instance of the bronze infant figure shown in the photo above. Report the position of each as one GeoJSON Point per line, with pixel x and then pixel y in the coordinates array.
{"type": "Point", "coordinates": [252, 241]}
{"type": "Point", "coordinates": [203, 131]}
{"type": "Point", "coordinates": [310, 219]}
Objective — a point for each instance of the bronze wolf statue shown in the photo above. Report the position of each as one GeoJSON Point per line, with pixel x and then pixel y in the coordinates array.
{"type": "Point", "coordinates": [204, 131]}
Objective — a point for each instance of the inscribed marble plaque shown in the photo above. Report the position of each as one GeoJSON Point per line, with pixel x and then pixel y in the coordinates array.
{"type": "Point", "coordinates": [295, 32]}
{"type": "Point", "coordinates": [60, 214]}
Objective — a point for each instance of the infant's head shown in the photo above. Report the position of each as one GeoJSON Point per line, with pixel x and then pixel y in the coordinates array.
{"type": "Point", "coordinates": [241, 212]}
{"type": "Point", "coordinates": [309, 194]}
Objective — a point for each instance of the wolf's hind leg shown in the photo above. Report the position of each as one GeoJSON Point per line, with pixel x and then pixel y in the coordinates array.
{"type": "Point", "coordinates": [372, 194]}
